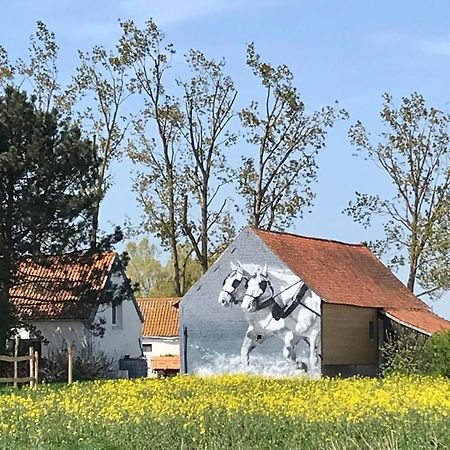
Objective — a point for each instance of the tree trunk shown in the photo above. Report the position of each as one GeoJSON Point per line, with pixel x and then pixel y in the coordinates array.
{"type": "Point", "coordinates": [204, 229]}
{"type": "Point", "coordinates": [412, 278]}
{"type": "Point", "coordinates": [94, 230]}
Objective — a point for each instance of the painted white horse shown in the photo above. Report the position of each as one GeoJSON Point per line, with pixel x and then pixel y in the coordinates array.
{"type": "Point", "coordinates": [262, 325]}
{"type": "Point", "coordinates": [298, 312]}
{"type": "Point", "coordinates": [234, 286]}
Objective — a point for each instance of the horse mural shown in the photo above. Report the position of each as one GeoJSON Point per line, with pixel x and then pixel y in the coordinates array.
{"type": "Point", "coordinates": [292, 315]}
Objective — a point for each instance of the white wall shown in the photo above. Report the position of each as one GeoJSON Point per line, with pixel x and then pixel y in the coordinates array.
{"type": "Point", "coordinates": [123, 338]}
{"type": "Point", "coordinates": [212, 335]}
{"type": "Point", "coordinates": [160, 347]}
{"type": "Point", "coordinates": [59, 333]}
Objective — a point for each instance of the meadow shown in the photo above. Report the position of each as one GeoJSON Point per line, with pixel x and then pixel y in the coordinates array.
{"type": "Point", "coordinates": [230, 412]}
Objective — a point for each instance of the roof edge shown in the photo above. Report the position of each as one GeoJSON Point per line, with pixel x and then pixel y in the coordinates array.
{"type": "Point", "coordinates": [334, 241]}
{"type": "Point", "coordinates": [405, 324]}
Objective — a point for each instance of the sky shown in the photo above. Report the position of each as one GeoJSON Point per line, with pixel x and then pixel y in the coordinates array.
{"type": "Point", "coordinates": [350, 51]}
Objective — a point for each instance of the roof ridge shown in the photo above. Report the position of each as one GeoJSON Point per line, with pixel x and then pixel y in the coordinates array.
{"type": "Point", "coordinates": [314, 238]}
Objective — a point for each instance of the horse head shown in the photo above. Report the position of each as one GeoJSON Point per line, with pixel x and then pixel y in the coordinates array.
{"type": "Point", "coordinates": [259, 290]}
{"type": "Point", "coordinates": [234, 286]}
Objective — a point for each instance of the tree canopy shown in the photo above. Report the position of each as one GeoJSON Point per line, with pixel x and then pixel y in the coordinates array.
{"type": "Point", "coordinates": [414, 154]}
{"type": "Point", "coordinates": [46, 173]}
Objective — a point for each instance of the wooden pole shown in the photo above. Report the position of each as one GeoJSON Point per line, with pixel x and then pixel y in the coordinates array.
{"type": "Point", "coordinates": [69, 363]}
{"type": "Point", "coordinates": [36, 369]}
{"type": "Point", "coordinates": [16, 366]}
{"type": "Point", "coordinates": [31, 353]}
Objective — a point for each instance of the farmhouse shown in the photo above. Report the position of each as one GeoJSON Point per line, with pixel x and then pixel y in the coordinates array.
{"type": "Point", "coordinates": [82, 300]}
{"type": "Point", "coordinates": [160, 340]}
{"type": "Point", "coordinates": [278, 301]}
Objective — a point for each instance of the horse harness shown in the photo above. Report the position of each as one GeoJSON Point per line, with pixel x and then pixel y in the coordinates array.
{"type": "Point", "coordinates": [277, 311]}
{"type": "Point", "coordinates": [235, 285]}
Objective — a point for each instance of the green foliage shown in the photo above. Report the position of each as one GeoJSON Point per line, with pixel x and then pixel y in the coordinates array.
{"type": "Point", "coordinates": [276, 182]}
{"type": "Point", "coordinates": [438, 347]}
{"type": "Point", "coordinates": [413, 151]}
{"type": "Point", "coordinates": [405, 352]}
{"type": "Point", "coordinates": [153, 278]}
{"type": "Point", "coordinates": [88, 364]}
{"type": "Point", "coordinates": [46, 170]}
{"type": "Point", "coordinates": [144, 268]}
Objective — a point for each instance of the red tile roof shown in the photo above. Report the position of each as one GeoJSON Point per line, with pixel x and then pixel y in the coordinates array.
{"type": "Point", "coordinates": [348, 274]}
{"type": "Point", "coordinates": [64, 288]}
{"type": "Point", "coordinates": [422, 320]}
{"type": "Point", "coordinates": [160, 316]}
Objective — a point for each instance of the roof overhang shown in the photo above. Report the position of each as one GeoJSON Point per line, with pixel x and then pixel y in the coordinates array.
{"type": "Point", "coordinates": [405, 324]}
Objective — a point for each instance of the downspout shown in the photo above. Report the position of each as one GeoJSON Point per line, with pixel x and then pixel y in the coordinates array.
{"type": "Point", "coordinates": [184, 349]}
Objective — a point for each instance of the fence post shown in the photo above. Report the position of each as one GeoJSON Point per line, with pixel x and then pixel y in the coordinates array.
{"type": "Point", "coordinates": [69, 364]}
{"type": "Point", "coordinates": [16, 365]}
{"type": "Point", "coordinates": [31, 354]}
{"type": "Point", "coordinates": [36, 369]}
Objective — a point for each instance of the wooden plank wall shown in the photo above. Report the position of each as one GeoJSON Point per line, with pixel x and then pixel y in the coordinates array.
{"type": "Point", "coordinates": [345, 335]}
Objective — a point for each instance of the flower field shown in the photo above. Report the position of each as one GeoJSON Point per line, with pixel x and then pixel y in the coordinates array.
{"type": "Point", "coordinates": [230, 412]}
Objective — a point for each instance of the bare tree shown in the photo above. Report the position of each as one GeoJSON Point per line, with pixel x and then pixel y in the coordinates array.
{"type": "Point", "coordinates": [160, 182]}
{"type": "Point", "coordinates": [38, 74]}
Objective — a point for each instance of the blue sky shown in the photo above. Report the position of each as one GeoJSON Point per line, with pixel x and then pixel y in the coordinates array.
{"type": "Point", "coordinates": [350, 51]}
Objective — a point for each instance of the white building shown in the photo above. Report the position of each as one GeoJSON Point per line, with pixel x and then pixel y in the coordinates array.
{"type": "Point", "coordinates": [160, 339]}
{"type": "Point", "coordinates": [79, 300]}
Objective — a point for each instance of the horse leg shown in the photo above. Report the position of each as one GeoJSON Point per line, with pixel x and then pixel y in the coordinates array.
{"type": "Point", "coordinates": [314, 338]}
{"type": "Point", "coordinates": [290, 342]}
{"type": "Point", "coordinates": [248, 345]}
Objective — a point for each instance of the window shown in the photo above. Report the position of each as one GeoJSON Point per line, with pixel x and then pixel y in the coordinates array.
{"type": "Point", "coordinates": [371, 330]}
{"type": "Point", "coordinates": [147, 348]}
{"type": "Point", "coordinates": [116, 317]}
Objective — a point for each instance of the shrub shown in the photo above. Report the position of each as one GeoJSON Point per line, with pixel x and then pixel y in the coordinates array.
{"type": "Point", "coordinates": [405, 352]}
{"type": "Point", "coordinates": [438, 347]}
{"type": "Point", "coordinates": [88, 364]}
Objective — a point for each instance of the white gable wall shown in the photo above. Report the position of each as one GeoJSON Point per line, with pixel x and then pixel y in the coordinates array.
{"type": "Point", "coordinates": [214, 332]}
{"type": "Point", "coordinates": [124, 337]}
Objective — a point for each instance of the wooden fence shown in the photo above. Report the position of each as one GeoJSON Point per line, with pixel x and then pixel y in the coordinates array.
{"type": "Point", "coordinates": [33, 358]}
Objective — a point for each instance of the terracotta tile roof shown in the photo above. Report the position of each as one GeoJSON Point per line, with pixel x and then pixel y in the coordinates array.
{"type": "Point", "coordinates": [422, 320]}
{"type": "Point", "coordinates": [65, 288]}
{"type": "Point", "coordinates": [341, 273]}
{"type": "Point", "coordinates": [160, 316]}
{"type": "Point", "coordinates": [350, 274]}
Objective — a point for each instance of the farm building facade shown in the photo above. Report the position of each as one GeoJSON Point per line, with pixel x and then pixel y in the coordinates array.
{"type": "Point", "coordinates": [81, 299]}
{"type": "Point", "coordinates": [276, 302]}
{"type": "Point", "coordinates": [160, 340]}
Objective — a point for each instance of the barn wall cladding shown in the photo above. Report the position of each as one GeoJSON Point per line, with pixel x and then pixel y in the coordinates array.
{"type": "Point", "coordinates": [278, 303]}
{"type": "Point", "coordinates": [250, 312]}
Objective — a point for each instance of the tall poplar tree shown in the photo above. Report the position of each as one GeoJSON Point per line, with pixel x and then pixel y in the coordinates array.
{"type": "Point", "coordinates": [414, 153]}
{"type": "Point", "coordinates": [275, 180]}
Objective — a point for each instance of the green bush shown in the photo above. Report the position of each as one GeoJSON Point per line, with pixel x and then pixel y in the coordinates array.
{"type": "Point", "coordinates": [405, 352]}
{"type": "Point", "coordinates": [438, 347]}
{"type": "Point", "coordinates": [88, 364]}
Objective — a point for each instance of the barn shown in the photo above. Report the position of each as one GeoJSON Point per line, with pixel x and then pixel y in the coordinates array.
{"type": "Point", "coordinates": [277, 303]}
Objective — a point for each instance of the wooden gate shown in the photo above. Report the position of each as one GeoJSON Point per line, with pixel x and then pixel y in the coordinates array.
{"type": "Point", "coordinates": [33, 358]}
